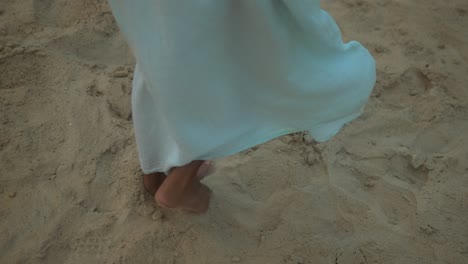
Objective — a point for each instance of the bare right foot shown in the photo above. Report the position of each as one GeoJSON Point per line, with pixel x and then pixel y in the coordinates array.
{"type": "Point", "coordinates": [182, 189]}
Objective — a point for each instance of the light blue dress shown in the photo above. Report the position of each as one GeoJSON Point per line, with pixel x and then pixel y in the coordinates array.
{"type": "Point", "coordinates": [215, 77]}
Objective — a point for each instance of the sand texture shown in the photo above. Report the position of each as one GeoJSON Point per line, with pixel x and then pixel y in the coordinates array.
{"type": "Point", "coordinates": [392, 187]}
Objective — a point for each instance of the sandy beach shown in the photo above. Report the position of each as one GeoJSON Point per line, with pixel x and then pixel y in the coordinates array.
{"type": "Point", "coordinates": [392, 187]}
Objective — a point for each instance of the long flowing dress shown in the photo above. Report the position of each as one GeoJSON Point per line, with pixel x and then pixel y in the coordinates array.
{"type": "Point", "coordinates": [215, 77]}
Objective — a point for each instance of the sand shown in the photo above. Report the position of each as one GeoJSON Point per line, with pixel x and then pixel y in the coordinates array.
{"type": "Point", "coordinates": [392, 187]}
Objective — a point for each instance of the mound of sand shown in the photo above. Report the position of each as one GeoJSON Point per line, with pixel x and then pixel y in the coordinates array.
{"type": "Point", "coordinates": [391, 188]}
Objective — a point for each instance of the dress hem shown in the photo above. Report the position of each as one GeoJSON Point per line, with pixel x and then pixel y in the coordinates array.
{"type": "Point", "coordinates": [338, 124]}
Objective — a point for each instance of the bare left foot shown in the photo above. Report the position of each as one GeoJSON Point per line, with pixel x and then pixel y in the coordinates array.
{"type": "Point", "coordinates": [153, 181]}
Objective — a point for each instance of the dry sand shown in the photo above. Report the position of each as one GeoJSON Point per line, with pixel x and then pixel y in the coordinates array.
{"type": "Point", "coordinates": [391, 188]}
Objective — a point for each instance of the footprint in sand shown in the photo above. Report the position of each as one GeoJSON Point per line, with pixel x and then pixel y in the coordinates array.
{"type": "Point", "coordinates": [91, 247]}
{"type": "Point", "coordinates": [102, 189]}
{"type": "Point", "coordinates": [397, 204]}
{"type": "Point", "coordinates": [383, 187]}
{"type": "Point", "coordinates": [409, 168]}
{"type": "Point", "coordinates": [118, 94]}
{"type": "Point", "coordinates": [412, 82]}
{"type": "Point", "coordinates": [101, 184]}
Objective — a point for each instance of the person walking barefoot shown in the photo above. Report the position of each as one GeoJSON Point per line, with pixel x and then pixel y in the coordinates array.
{"type": "Point", "coordinates": [215, 77]}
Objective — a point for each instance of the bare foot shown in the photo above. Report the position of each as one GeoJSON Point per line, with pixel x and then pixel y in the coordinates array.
{"type": "Point", "coordinates": [153, 181]}
{"type": "Point", "coordinates": [196, 200]}
{"type": "Point", "coordinates": [183, 190]}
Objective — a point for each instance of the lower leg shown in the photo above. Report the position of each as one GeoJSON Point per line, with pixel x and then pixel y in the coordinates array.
{"type": "Point", "coordinates": [153, 181]}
